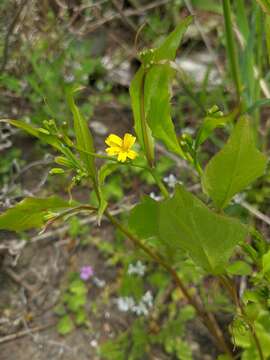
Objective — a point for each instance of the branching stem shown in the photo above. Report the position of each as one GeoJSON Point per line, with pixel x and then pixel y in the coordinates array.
{"type": "Point", "coordinates": [208, 319]}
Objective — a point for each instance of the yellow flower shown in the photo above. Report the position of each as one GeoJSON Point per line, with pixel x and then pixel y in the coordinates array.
{"type": "Point", "coordinates": [121, 147]}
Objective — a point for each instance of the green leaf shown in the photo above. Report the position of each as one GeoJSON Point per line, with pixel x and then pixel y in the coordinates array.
{"type": "Point", "coordinates": [65, 325]}
{"type": "Point", "coordinates": [167, 50]}
{"type": "Point", "coordinates": [147, 208]}
{"type": "Point", "coordinates": [239, 268]}
{"type": "Point", "coordinates": [83, 136]}
{"type": "Point", "coordinates": [158, 107]}
{"type": "Point", "coordinates": [45, 137]}
{"type": "Point", "coordinates": [267, 35]}
{"type": "Point", "coordinates": [30, 213]}
{"type": "Point", "coordinates": [184, 224]}
{"type": "Point", "coordinates": [81, 317]}
{"type": "Point", "coordinates": [105, 171]}
{"type": "Point", "coordinates": [261, 102]}
{"type": "Point", "coordinates": [75, 302]}
{"type": "Point", "coordinates": [78, 287]}
{"type": "Point", "coordinates": [141, 127]}
{"type": "Point", "coordinates": [266, 262]}
{"type": "Point", "coordinates": [150, 94]}
{"type": "Point", "coordinates": [210, 123]}
{"type": "Point", "coordinates": [233, 168]}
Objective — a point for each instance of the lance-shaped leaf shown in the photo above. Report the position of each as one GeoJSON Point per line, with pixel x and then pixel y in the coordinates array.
{"type": "Point", "coordinates": [167, 50]}
{"type": "Point", "coordinates": [158, 106]}
{"type": "Point", "coordinates": [141, 127]}
{"type": "Point", "coordinates": [83, 137]}
{"type": "Point", "coordinates": [233, 168]}
{"type": "Point", "coordinates": [38, 133]}
{"type": "Point", "coordinates": [49, 139]}
{"type": "Point", "coordinates": [30, 213]}
{"type": "Point", "coordinates": [150, 94]}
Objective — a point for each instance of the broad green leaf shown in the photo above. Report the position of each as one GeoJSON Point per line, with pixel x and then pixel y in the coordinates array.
{"type": "Point", "coordinates": [239, 268]}
{"type": "Point", "coordinates": [81, 317]}
{"type": "Point", "coordinates": [185, 222]}
{"type": "Point", "coordinates": [233, 168]}
{"type": "Point", "coordinates": [265, 5]}
{"type": "Point", "coordinates": [75, 302]}
{"type": "Point", "coordinates": [78, 287]}
{"type": "Point", "coordinates": [83, 136]}
{"type": "Point", "coordinates": [65, 325]}
{"type": "Point", "coordinates": [148, 208]}
{"type": "Point", "coordinates": [30, 213]}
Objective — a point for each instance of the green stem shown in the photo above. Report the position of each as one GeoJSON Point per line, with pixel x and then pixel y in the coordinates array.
{"type": "Point", "coordinates": [231, 48]}
{"type": "Point", "coordinates": [207, 319]}
{"type": "Point", "coordinates": [160, 184]}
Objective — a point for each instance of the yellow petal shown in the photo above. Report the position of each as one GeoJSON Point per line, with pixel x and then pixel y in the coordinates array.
{"type": "Point", "coordinates": [114, 140]}
{"type": "Point", "coordinates": [114, 150]}
{"type": "Point", "coordinates": [132, 154]}
{"type": "Point", "coordinates": [129, 140]}
{"type": "Point", "coordinates": [122, 157]}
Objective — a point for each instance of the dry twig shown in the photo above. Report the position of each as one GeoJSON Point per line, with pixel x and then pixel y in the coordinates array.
{"type": "Point", "coordinates": [23, 333]}
{"type": "Point", "coordinates": [8, 35]}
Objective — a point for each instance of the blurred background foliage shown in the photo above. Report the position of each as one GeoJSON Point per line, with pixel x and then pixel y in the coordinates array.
{"type": "Point", "coordinates": [46, 46]}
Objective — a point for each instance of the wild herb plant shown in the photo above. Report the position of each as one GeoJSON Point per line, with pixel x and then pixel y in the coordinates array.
{"type": "Point", "coordinates": [181, 225]}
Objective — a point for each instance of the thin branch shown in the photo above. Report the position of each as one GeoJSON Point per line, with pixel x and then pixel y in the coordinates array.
{"type": "Point", "coordinates": [8, 35]}
{"type": "Point", "coordinates": [23, 333]}
{"type": "Point", "coordinates": [126, 13]}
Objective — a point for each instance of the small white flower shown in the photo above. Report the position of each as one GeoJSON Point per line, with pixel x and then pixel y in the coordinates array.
{"type": "Point", "coordinates": [94, 343]}
{"type": "Point", "coordinates": [171, 181]}
{"type": "Point", "coordinates": [154, 196]}
{"type": "Point", "coordinates": [239, 198]}
{"type": "Point", "coordinates": [138, 268]}
{"type": "Point", "coordinates": [125, 303]}
{"type": "Point", "coordinates": [69, 78]}
{"type": "Point", "coordinates": [148, 299]}
{"type": "Point", "coordinates": [140, 309]}
{"type": "Point", "coordinates": [99, 282]}
{"type": "Point", "coordinates": [188, 130]}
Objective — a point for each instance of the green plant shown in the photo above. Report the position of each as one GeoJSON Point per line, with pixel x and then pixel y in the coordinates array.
{"type": "Point", "coordinates": [182, 226]}
{"type": "Point", "coordinates": [71, 310]}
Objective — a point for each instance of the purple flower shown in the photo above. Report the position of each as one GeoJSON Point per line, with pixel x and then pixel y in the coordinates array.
{"type": "Point", "coordinates": [86, 272]}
